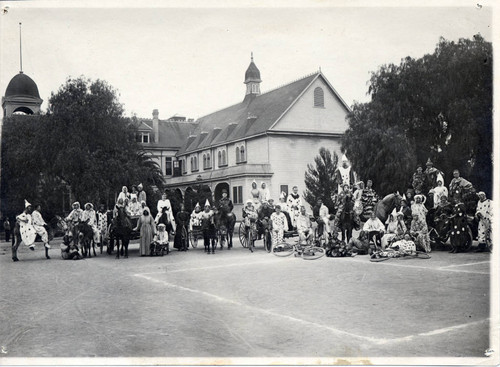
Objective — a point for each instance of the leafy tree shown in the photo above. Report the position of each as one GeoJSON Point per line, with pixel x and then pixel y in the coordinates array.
{"type": "Point", "coordinates": [320, 179]}
{"type": "Point", "coordinates": [438, 107]}
{"type": "Point", "coordinates": [83, 146]}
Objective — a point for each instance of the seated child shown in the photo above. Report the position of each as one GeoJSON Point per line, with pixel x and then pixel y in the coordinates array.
{"type": "Point", "coordinates": [160, 238]}
{"type": "Point", "coordinates": [405, 246]}
{"type": "Point", "coordinates": [360, 245]}
{"type": "Point", "coordinates": [69, 250]}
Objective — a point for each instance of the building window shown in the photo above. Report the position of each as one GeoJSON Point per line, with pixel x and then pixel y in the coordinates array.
{"type": "Point", "coordinates": [168, 166]}
{"type": "Point", "coordinates": [284, 188]}
{"type": "Point", "coordinates": [238, 194]}
{"type": "Point", "coordinates": [224, 158]}
{"type": "Point", "coordinates": [209, 163]}
{"type": "Point", "coordinates": [194, 164]}
{"type": "Point", "coordinates": [184, 168]}
{"type": "Point", "coordinates": [319, 97]}
{"type": "Point", "coordinates": [243, 158]}
{"type": "Point", "coordinates": [237, 154]}
{"type": "Point", "coordinates": [219, 158]}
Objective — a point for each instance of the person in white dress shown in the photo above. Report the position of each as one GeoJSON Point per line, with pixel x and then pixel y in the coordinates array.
{"type": "Point", "coordinates": [264, 194]}
{"type": "Point", "coordinates": [124, 195]}
{"type": "Point", "coordinates": [164, 202]}
{"type": "Point", "coordinates": [484, 214]}
{"type": "Point", "coordinates": [28, 232]}
{"type": "Point", "coordinates": [134, 208]}
{"type": "Point", "coordinates": [89, 216]}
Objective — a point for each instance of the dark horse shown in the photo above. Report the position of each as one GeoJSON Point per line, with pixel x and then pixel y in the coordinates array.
{"type": "Point", "coordinates": [224, 222]}
{"type": "Point", "coordinates": [85, 236]}
{"type": "Point", "coordinates": [385, 206]}
{"type": "Point", "coordinates": [57, 223]}
{"type": "Point", "coordinates": [120, 230]}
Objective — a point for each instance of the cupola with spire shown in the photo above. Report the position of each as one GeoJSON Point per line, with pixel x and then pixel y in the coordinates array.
{"type": "Point", "coordinates": [252, 79]}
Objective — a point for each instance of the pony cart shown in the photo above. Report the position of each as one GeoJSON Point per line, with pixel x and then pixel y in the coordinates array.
{"type": "Point", "coordinates": [195, 234]}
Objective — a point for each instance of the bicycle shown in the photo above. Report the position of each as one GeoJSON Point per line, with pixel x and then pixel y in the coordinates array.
{"type": "Point", "coordinates": [307, 251]}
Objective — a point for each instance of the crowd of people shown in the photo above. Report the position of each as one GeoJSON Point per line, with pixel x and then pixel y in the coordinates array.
{"type": "Point", "coordinates": [405, 227]}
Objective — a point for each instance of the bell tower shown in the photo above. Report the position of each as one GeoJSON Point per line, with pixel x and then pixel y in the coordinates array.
{"type": "Point", "coordinates": [252, 79]}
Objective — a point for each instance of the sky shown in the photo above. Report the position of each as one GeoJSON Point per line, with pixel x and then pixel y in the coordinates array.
{"type": "Point", "coordinates": [185, 59]}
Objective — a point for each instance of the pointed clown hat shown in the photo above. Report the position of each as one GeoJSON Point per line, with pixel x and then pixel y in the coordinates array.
{"type": "Point", "coordinates": [197, 205]}
{"type": "Point", "coordinates": [26, 203]}
{"type": "Point", "coordinates": [207, 203]}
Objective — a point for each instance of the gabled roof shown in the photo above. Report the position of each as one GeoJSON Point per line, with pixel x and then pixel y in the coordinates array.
{"type": "Point", "coordinates": [253, 116]}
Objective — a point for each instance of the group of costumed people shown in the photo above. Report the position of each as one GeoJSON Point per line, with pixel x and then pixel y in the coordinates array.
{"type": "Point", "coordinates": [406, 229]}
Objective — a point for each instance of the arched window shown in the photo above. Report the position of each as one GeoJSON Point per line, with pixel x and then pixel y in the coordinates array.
{"type": "Point", "coordinates": [242, 154]}
{"type": "Point", "coordinates": [224, 157]}
{"type": "Point", "coordinates": [192, 164]}
{"type": "Point", "coordinates": [209, 165]}
{"type": "Point", "coordinates": [237, 154]}
{"type": "Point", "coordinates": [319, 97]}
{"type": "Point", "coordinates": [219, 158]}
{"type": "Point", "coordinates": [195, 163]}
{"type": "Point", "coordinates": [204, 161]}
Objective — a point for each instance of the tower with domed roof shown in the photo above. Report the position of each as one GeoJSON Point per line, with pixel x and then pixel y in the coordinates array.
{"type": "Point", "coordinates": [252, 80]}
{"type": "Point", "coordinates": [21, 96]}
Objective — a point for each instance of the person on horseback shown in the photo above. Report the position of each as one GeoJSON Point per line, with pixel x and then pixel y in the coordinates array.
{"type": "Point", "coordinates": [166, 218]}
{"type": "Point", "coordinates": [89, 217]}
{"type": "Point", "coordinates": [74, 218]}
{"type": "Point", "coordinates": [225, 204]}
{"type": "Point", "coordinates": [164, 203]}
{"type": "Point", "coordinates": [40, 225]}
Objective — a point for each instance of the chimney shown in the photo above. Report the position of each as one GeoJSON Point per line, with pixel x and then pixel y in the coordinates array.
{"type": "Point", "coordinates": [156, 134]}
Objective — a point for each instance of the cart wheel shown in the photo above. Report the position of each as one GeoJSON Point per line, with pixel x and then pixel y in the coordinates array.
{"type": "Point", "coordinates": [192, 239]}
{"type": "Point", "coordinates": [313, 253]}
{"type": "Point", "coordinates": [242, 233]}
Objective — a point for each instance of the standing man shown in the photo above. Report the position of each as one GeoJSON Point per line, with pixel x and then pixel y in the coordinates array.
{"type": "Point", "coordinates": [294, 202]}
{"type": "Point", "coordinates": [459, 187]}
{"type": "Point", "coordinates": [432, 174]}
{"type": "Point", "coordinates": [369, 199]}
{"type": "Point", "coordinates": [39, 225]}
{"type": "Point", "coordinates": [304, 228]}
{"type": "Point", "coordinates": [6, 227]}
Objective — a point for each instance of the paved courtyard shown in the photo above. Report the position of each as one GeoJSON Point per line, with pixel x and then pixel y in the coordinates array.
{"type": "Point", "coordinates": [241, 304]}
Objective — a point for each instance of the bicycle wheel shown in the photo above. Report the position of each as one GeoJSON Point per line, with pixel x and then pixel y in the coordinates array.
{"type": "Point", "coordinates": [242, 234]}
{"type": "Point", "coordinates": [267, 240]}
{"type": "Point", "coordinates": [313, 253]}
{"type": "Point", "coordinates": [283, 249]}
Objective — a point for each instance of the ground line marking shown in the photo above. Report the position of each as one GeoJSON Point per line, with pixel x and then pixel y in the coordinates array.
{"type": "Point", "coordinates": [451, 266]}
{"type": "Point", "coordinates": [301, 321]}
{"type": "Point", "coordinates": [437, 269]}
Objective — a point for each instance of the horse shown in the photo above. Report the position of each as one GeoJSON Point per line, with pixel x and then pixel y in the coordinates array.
{"type": "Point", "coordinates": [85, 236]}
{"type": "Point", "coordinates": [224, 223]}
{"type": "Point", "coordinates": [120, 229]}
{"type": "Point", "coordinates": [56, 222]}
{"type": "Point", "coordinates": [385, 206]}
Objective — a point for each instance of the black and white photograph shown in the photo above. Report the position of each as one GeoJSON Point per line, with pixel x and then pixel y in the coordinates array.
{"type": "Point", "coordinates": [248, 183]}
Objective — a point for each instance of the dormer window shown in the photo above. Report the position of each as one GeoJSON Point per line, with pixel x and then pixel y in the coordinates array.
{"type": "Point", "coordinates": [319, 97]}
{"type": "Point", "coordinates": [143, 138]}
